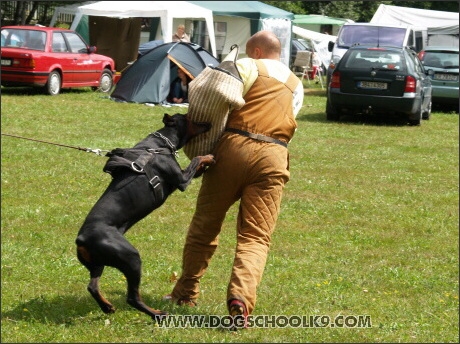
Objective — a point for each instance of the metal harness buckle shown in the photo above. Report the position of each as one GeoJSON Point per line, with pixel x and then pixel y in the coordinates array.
{"type": "Point", "coordinates": [153, 180]}
{"type": "Point", "coordinates": [136, 167]}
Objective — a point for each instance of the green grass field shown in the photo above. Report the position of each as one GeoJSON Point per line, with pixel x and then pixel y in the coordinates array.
{"type": "Point", "coordinates": [368, 229]}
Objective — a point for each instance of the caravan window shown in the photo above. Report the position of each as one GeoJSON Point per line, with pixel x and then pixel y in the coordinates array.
{"type": "Point", "coordinates": [200, 34]}
{"type": "Point", "coordinates": [385, 36]}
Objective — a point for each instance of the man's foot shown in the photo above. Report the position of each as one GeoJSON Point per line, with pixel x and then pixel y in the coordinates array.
{"type": "Point", "coordinates": [180, 302]}
{"type": "Point", "coordinates": [239, 314]}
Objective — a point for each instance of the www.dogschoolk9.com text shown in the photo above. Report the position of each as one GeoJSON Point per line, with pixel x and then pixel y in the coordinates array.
{"type": "Point", "coordinates": [264, 321]}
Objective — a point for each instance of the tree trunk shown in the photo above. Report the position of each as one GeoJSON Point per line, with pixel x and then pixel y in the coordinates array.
{"type": "Point", "coordinates": [17, 12]}
{"type": "Point", "coordinates": [32, 12]}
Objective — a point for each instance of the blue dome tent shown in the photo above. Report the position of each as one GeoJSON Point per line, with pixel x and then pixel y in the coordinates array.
{"type": "Point", "coordinates": [148, 79]}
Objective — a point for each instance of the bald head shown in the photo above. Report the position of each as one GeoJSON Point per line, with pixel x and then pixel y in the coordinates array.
{"type": "Point", "coordinates": [264, 45]}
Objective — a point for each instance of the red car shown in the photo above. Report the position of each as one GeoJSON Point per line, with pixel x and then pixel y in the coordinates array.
{"type": "Point", "coordinates": [53, 58]}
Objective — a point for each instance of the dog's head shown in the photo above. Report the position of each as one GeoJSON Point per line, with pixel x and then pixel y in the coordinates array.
{"type": "Point", "coordinates": [186, 129]}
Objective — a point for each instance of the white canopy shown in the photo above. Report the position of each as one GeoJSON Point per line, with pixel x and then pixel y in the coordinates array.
{"type": "Point", "coordinates": [438, 27]}
{"type": "Point", "coordinates": [320, 42]}
{"type": "Point", "coordinates": [416, 17]}
{"type": "Point", "coordinates": [165, 10]}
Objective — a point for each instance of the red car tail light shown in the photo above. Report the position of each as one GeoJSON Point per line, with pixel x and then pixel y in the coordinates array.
{"type": "Point", "coordinates": [24, 63]}
{"type": "Point", "coordinates": [335, 80]}
{"type": "Point", "coordinates": [411, 85]}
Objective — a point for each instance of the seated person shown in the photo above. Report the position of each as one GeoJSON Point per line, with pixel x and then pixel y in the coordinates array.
{"type": "Point", "coordinates": [180, 35]}
{"type": "Point", "coordinates": [315, 66]}
{"type": "Point", "coordinates": [178, 92]}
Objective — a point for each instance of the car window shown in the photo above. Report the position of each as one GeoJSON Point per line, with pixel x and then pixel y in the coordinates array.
{"type": "Point", "coordinates": [77, 45]}
{"type": "Point", "coordinates": [19, 38]}
{"type": "Point", "coordinates": [11, 39]}
{"type": "Point", "coordinates": [58, 45]}
{"type": "Point", "coordinates": [352, 34]}
{"type": "Point", "coordinates": [440, 59]}
{"type": "Point", "coordinates": [35, 40]}
{"type": "Point", "coordinates": [297, 44]}
{"type": "Point", "coordinates": [377, 59]}
{"type": "Point", "coordinates": [307, 44]}
{"type": "Point", "coordinates": [417, 64]}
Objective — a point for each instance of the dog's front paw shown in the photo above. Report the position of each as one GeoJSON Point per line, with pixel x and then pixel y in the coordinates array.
{"type": "Point", "coordinates": [205, 161]}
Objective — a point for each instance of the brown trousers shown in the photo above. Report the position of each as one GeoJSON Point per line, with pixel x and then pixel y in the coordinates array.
{"type": "Point", "coordinates": [255, 173]}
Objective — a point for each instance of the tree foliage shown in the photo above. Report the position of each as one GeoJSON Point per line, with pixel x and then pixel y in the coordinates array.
{"type": "Point", "coordinates": [24, 12]}
{"type": "Point", "coordinates": [359, 11]}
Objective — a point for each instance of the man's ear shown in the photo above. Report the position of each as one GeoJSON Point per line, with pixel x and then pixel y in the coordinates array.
{"type": "Point", "coordinates": [257, 53]}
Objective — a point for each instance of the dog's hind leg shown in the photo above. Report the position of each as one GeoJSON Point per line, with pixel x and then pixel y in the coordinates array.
{"type": "Point", "coordinates": [131, 268]}
{"type": "Point", "coordinates": [95, 272]}
{"type": "Point", "coordinates": [93, 288]}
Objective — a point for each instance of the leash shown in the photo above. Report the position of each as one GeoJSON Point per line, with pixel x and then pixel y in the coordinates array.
{"type": "Point", "coordinates": [88, 150]}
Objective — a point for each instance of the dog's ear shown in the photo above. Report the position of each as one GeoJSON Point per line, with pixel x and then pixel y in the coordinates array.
{"type": "Point", "coordinates": [168, 120]}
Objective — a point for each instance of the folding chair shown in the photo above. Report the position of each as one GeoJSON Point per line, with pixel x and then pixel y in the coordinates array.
{"type": "Point", "coordinates": [302, 64]}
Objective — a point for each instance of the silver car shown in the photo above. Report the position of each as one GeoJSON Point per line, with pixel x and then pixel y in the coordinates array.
{"type": "Point", "coordinates": [444, 81]}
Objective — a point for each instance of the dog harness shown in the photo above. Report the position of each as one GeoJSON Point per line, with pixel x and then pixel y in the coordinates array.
{"type": "Point", "coordinates": [140, 160]}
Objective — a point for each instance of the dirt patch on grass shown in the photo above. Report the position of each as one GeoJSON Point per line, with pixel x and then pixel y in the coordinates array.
{"type": "Point", "coordinates": [314, 91]}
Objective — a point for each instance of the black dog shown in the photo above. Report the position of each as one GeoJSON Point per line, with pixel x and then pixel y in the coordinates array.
{"type": "Point", "coordinates": [143, 177]}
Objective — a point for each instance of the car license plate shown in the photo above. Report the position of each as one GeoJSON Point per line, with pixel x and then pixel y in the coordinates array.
{"type": "Point", "coordinates": [447, 77]}
{"type": "Point", "coordinates": [373, 85]}
{"type": "Point", "coordinates": [6, 62]}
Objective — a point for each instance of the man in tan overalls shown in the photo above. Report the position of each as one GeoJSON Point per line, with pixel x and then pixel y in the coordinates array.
{"type": "Point", "coordinates": [252, 166]}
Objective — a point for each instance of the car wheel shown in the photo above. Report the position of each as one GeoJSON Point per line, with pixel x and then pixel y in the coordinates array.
{"type": "Point", "coordinates": [416, 118]}
{"type": "Point", "coordinates": [427, 113]}
{"type": "Point", "coordinates": [53, 86]}
{"type": "Point", "coordinates": [331, 112]}
{"type": "Point", "coordinates": [105, 82]}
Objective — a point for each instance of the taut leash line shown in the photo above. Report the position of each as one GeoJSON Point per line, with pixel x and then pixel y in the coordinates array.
{"type": "Point", "coordinates": [88, 150]}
